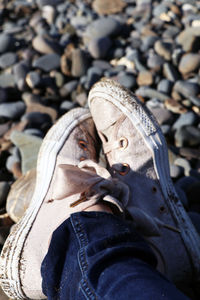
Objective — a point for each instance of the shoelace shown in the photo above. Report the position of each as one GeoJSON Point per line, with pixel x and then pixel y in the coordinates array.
{"type": "Point", "coordinates": [94, 182]}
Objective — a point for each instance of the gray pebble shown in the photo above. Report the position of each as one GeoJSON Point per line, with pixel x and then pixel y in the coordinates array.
{"type": "Point", "coordinates": [176, 171]}
{"type": "Point", "coordinates": [67, 105]}
{"type": "Point", "coordinates": [102, 27]}
{"type": "Point", "coordinates": [165, 86]}
{"type": "Point", "coordinates": [8, 59]}
{"type": "Point", "coordinates": [80, 63]}
{"type": "Point", "coordinates": [99, 47]}
{"type": "Point", "coordinates": [189, 118]}
{"type": "Point", "coordinates": [187, 136]}
{"type": "Point", "coordinates": [6, 43]}
{"type": "Point", "coordinates": [147, 92]}
{"type": "Point", "coordinates": [170, 72]}
{"type": "Point", "coordinates": [42, 3]}
{"type": "Point", "coordinates": [186, 88]}
{"type": "Point", "coordinates": [102, 64]}
{"type": "Point", "coordinates": [148, 42]}
{"type": "Point", "coordinates": [47, 62]}
{"type": "Point", "coordinates": [33, 79]}
{"type": "Point", "coordinates": [7, 80]}
{"type": "Point", "coordinates": [68, 88]}
{"type": "Point", "coordinates": [184, 163]}
{"type": "Point", "coordinates": [45, 45]}
{"type": "Point", "coordinates": [37, 119]}
{"type": "Point", "coordinates": [154, 61]}
{"type": "Point", "coordinates": [189, 62]}
{"type": "Point", "coordinates": [128, 80]}
{"type": "Point", "coordinates": [162, 115]}
{"type": "Point", "coordinates": [11, 160]}
{"type": "Point", "coordinates": [34, 131]}
{"type": "Point", "coordinates": [20, 71]}
{"type": "Point", "coordinates": [12, 110]}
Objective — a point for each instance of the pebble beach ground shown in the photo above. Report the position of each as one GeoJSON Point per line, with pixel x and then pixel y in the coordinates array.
{"type": "Point", "coordinates": [53, 51]}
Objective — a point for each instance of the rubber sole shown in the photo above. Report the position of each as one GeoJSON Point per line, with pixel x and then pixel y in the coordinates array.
{"type": "Point", "coordinates": [11, 265]}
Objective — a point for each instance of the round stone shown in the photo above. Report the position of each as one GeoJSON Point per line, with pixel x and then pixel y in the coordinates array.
{"type": "Point", "coordinates": [99, 47]}
{"type": "Point", "coordinates": [6, 43]}
{"type": "Point", "coordinates": [47, 62]}
{"type": "Point", "coordinates": [7, 60]}
{"type": "Point", "coordinates": [189, 62]}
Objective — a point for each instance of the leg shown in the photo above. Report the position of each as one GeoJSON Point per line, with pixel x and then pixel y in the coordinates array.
{"type": "Point", "coordinates": [96, 255]}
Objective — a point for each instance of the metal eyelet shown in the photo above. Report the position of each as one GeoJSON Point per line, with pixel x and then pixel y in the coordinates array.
{"type": "Point", "coordinates": [83, 144]}
{"type": "Point", "coordinates": [123, 143]}
{"type": "Point", "coordinates": [125, 169]}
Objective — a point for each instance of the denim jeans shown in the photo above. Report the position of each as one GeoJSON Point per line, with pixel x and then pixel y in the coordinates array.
{"type": "Point", "coordinates": [96, 255]}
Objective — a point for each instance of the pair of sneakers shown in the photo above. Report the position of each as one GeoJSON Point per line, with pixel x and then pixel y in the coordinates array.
{"type": "Point", "coordinates": [135, 184]}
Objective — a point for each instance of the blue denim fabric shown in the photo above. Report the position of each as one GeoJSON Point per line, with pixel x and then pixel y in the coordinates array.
{"type": "Point", "coordinates": [96, 255]}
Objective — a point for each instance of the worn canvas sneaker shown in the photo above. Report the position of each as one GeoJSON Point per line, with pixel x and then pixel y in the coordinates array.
{"type": "Point", "coordinates": [68, 180]}
{"type": "Point", "coordinates": [137, 155]}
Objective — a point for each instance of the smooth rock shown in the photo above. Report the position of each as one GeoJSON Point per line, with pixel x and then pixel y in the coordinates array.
{"type": "Point", "coordinates": [49, 13]}
{"type": "Point", "coordinates": [187, 88]}
{"type": "Point", "coordinates": [162, 115]}
{"type": "Point", "coordinates": [12, 110]}
{"type": "Point", "coordinates": [67, 105]}
{"type": "Point", "coordinates": [29, 146]}
{"type": "Point", "coordinates": [33, 79]}
{"type": "Point", "coordinates": [20, 71]}
{"type": "Point", "coordinates": [107, 7]}
{"type": "Point", "coordinates": [38, 107]}
{"type": "Point", "coordinates": [45, 45]}
{"type": "Point", "coordinates": [189, 39]}
{"type": "Point", "coordinates": [170, 72]}
{"type": "Point", "coordinates": [175, 106]}
{"type": "Point", "coordinates": [147, 92]}
{"type": "Point", "coordinates": [184, 163]}
{"type": "Point", "coordinates": [187, 136]}
{"type": "Point", "coordinates": [145, 78]}
{"type": "Point", "coordinates": [34, 131]}
{"type": "Point", "coordinates": [128, 80]}
{"type": "Point", "coordinates": [37, 119]}
{"type": "Point", "coordinates": [80, 63]}
{"type": "Point", "coordinates": [7, 43]}
{"type": "Point", "coordinates": [42, 3]}
{"type": "Point", "coordinates": [8, 59]}
{"type": "Point", "coordinates": [176, 171]}
{"type": "Point", "coordinates": [4, 190]}
{"type": "Point", "coordinates": [47, 62]}
{"type": "Point", "coordinates": [99, 47]}
{"type": "Point", "coordinates": [189, 118]}
{"type": "Point", "coordinates": [20, 195]}
{"type": "Point", "coordinates": [155, 61]}
{"type": "Point", "coordinates": [102, 27]}
{"type": "Point", "coordinates": [189, 62]}
{"type": "Point", "coordinates": [163, 49]}
{"type": "Point", "coordinates": [68, 87]}
{"type": "Point", "coordinates": [165, 86]}
{"type": "Point", "coordinates": [7, 80]}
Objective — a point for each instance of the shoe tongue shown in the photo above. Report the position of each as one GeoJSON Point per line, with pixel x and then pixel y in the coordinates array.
{"type": "Point", "coordinates": [91, 181]}
{"type": "Point", "coordinates": [72, 180]}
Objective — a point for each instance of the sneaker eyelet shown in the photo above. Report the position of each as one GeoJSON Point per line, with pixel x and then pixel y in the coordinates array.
{"type": "Point", "coordinates": [125, 169]}
{"type": "Point", "coordinates": [123, 143]}
{"type": "Point", "coordinates": [83, 144]}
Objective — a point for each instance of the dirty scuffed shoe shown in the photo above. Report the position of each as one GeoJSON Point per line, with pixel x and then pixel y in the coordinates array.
{"type": "Point", "coordinates": [68, 180]}
{"type": "Point", "coordinates": [136, 152]}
